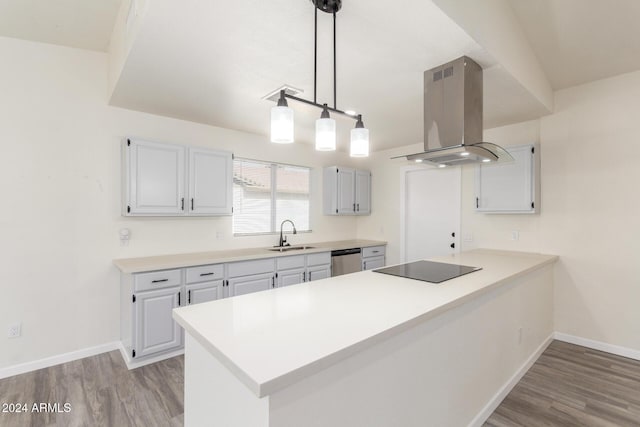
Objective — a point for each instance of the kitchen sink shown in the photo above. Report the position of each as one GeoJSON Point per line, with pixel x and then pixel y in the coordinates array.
{"type": "Point", "coordinates": [290, 248]}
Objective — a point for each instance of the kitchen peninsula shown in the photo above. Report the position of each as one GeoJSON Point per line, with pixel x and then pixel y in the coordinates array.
{"type": "Point", "coordinates": [368, 348]}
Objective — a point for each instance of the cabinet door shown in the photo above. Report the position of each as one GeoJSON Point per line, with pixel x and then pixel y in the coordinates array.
{"type": "Point", "coordinates": [203, 292]}
{"type": "Point", "coordinates": [346, 189]}
{"type": "Point", "coordinates": [156, 331]}
{"type": "Point", "coordinates": [371, 263]}
{"type": "Point", "coordinates": [210, 182]}
{"type": "Point", "coordinates": [290, 277]}
{"type": "Point", "coordinates": [154, 178]}
{"type": "Point", "coordinates": [363, 192]}
{"type": "Point", "coordinates": [508, 187]}
{"type": "Point", "coordinates": [249, 284]}
{"type": "Point", "coordinates": [318, 272]}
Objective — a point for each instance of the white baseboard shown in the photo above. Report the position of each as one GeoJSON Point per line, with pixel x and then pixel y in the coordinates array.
{"type": "Point", "coordinates": [509, 385]}
{"type": "Point", "coordinates": [57, 359]}
{"type": "Point", "coordinates": [598, 345]}
{"type": "Point", "coordinates": [133, 364]}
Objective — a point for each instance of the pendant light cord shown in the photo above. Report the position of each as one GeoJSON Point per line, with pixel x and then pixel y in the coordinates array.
{"type": "Point", "coordinates": [315, 56]}
{"type": "Point", "coordinates": [335, 101]}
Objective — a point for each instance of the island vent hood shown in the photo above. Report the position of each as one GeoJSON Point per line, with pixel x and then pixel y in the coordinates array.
{"type": "Point", "coordinates": [453, 117]}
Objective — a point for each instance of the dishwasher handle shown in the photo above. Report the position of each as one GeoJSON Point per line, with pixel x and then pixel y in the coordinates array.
{"type": "Point", "coordinates": [342, 252]}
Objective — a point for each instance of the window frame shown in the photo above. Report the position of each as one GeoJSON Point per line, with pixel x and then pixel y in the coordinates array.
{"type": "Point", "coordinates": [274, 191]}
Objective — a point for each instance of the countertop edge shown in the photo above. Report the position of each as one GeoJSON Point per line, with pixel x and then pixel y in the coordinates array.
{"type": "Point", "coordinates": [206, 258]}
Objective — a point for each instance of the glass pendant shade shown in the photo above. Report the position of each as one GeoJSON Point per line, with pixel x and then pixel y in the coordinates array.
{"type": "Point", "coordinates": [281, 125]}
{"type": "Point", "coordinates": [325, 134]}
{"type": "Point", "coordinates": [359, 142]}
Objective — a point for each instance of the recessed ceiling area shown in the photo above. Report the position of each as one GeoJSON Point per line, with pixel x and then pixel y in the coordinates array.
{"type": "Point", "coordinates": [217, 63]}
{"type": "Point", "coordinates": [84, 24]}
{"type": "Point", "coordinates": [579, 41]}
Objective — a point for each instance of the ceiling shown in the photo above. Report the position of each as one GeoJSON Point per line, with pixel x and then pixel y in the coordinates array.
{"type": "Point", "coordinates": [224, 60]}
{"type": "Point", "coordinates": [85, 24]}
{"type": "Point", "coordinates": [578, 41]}
{"type": "Point", "coordinates": [213, 61]}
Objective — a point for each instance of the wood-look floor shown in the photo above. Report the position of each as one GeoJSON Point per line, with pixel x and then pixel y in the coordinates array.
{"type": "Point", "coordinates": [567, 386]}
{"type": "Point", "coordinates": [101, 391]}
{"type": "Point", "coordinates": [571, 385]}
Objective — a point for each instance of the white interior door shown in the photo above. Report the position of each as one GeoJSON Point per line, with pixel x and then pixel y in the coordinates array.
{"type": "Point", "coordinates": [432, 212]}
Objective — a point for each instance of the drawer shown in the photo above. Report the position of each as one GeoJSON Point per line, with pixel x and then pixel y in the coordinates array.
{"type": "Point", "coordinates": [246, 268]}
{"type": "Point", "coordinates": [373, 251]}
{"type": "Point", "coordinates": [205, 272]}
{"type": "Point", "coordinates": [286, 262]}
{"type": "Point", "coordinates": [319, 259]}
{"type": "Point", "coordinates": [156, 280]}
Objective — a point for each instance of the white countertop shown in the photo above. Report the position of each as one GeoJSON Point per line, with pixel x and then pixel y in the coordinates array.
{"type": "Point", "coordinates": [274, 338]}
{"type": "Point", "coordinates": [163, 262]}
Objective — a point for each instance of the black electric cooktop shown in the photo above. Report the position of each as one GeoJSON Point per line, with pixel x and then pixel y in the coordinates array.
{"type": "Point", "coordinates": [428, 271]}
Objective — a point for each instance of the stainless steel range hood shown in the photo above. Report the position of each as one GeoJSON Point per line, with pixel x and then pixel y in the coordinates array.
{"type": "Point", "coordinates": [453, 117]}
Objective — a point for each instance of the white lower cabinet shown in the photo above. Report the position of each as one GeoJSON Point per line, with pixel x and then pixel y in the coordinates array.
{"type": "Point", "coordinates": [371, 263]}
{"type": "Point", "coordinates": [147, 329]}
{"type": "Point", "coordinates": [290, 277]}
{"type": "Point", "coordinates": [204, 292]}
{"type": "Point", "coordinates": [318, 272]}
{"type": "Point", "coordinates": [246, 277]}
{"type": "Point", "coordinates": [155, 329]}
{"type": "Point", "coordinates": [295, 269]}
{"type": "Point", "coordinates": [373, 257]}
{"type": "Point", "coordinates": [249, 284]}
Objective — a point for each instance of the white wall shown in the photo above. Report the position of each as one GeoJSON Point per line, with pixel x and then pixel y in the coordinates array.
{"type": "Point", "coordinates": [60, 216]}
{"type": "Point", "coordinates": [590, 207]}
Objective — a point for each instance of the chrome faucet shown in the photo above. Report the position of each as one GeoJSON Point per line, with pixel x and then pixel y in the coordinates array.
{"type": "Point", "coordinates": [283, 240]}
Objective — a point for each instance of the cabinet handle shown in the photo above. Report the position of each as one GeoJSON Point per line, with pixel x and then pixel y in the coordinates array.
{"type": "Point", "coordinates": [192, 203]}
{"type": "Point", "coordinates": [189, 296]}
{"type": "Point", "coordinates": [182, 204]}
{"type": "Point", "coordinates": [375, 252]}
{"type": "Point", "coordinates": [206, 274]}
{"type": "Point", "coordinates": [304, 276]}
{"type": "Point", "coordinates": [309, 276]}
{"type": "Point", "coordinates": [477, 202]}
{"type": "Point", "coordinates": [358, 207]}
{"type": "Point", "coordinates": [159, 280]}
{"type": "Point", "coordinates": [453, 245]}
{"type": "Point", "coordinates": [354, 207]}
{"type": "Point", "coordinates": [273, 281]}
{"type": "Point", "coordinates": [178, 299]}
{"type": "Point", "coordinates": [453, 234]}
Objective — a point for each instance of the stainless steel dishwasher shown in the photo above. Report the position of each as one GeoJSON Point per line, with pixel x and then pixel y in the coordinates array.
{"type": "Point", "coordinates": [345, 261]}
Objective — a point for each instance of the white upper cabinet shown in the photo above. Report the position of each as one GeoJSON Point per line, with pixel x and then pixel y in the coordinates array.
{"type": "Point", "coordinates": [154, 178]}
{"type": "Point", "coordinates": [510, 187]}
{"type": "Point", "coordinates": [210, 186]}
{"type": "Point", "coordinates": [363, 192]}
{"type": "Point", "coordinates": [174, 180]}
{"type": "Point", "coordinates": [346, 191]}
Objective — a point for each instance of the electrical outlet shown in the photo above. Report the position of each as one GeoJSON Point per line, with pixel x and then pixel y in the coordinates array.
{"type": "Point", "coordinates": [14, 330]}
{"type": "Point", "coordinates": [515, 235]}
{"type": "Point", "coordinates": [468, 237]}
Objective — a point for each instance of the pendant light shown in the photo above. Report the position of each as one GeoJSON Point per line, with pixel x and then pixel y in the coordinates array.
{"type": "Point", "coordinates": [282, 122]}
{"type": "Point", "coordinates": [282, 115]}
{"type": "Point", "coordinates": [359, 139]}
{"type": "Point", "coordinates": [325, 132]}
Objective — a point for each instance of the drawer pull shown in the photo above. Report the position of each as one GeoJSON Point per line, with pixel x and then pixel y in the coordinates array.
{"type": "Point", "coordinates": [375, 252]}
{"type": "Point", "coordinates": [159, 280]}
{"type": "Point", "coordinates": [206, 274]}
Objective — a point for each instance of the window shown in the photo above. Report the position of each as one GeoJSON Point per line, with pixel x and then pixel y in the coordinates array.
{"type": "Point", "coordinates": [265, 194]}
